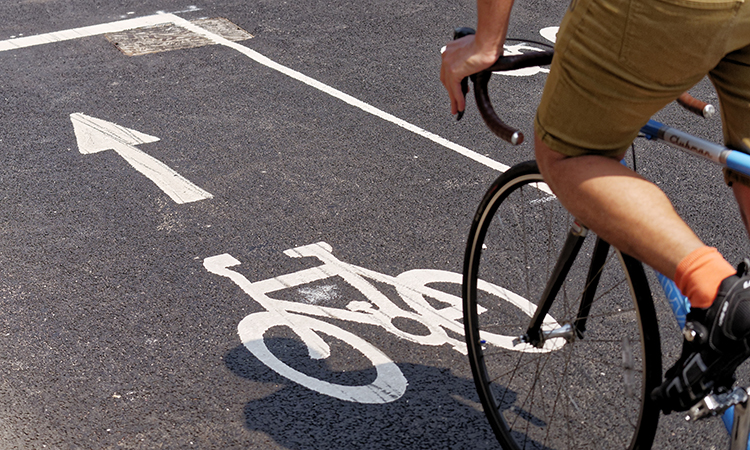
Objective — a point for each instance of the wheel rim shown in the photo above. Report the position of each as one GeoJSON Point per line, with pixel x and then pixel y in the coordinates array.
{"type": "Point", "coordinates": [582, 394]}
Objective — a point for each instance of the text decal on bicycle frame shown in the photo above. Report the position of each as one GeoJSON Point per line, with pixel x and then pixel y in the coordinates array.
{"type": "Point", "coordinates": [308, 319]}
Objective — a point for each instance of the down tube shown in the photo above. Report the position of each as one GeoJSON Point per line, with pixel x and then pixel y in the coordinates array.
{"type": "Point", "coordinates": [678, 302]}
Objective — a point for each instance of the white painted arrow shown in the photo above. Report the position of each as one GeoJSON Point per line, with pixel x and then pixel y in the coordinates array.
{"type": "Point", "coordinates": [96, 135]}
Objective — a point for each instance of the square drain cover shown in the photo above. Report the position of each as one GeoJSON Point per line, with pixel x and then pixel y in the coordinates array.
{"type": "Point", "coordinates": [164, 38]}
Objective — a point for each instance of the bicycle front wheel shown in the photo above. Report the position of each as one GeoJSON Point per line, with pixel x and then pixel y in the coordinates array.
{"type": "Point", "coordinates": [584, 389]}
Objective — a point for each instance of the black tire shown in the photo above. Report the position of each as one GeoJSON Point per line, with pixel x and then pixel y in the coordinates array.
{"type": "Point", "coordinates": [566, 395]}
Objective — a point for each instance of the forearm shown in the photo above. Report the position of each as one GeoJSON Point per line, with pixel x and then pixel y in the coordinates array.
{"type": "Point", "coordinates": [474, 53]}
{"type": "Point", "coordinates": [492, 25]}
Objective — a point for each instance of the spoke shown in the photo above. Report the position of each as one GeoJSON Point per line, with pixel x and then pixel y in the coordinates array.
{"type": "Point", "coordinates": [518, 366]}
{"type": "Point", "coordinates": [611, 314]}
{"type": "Point", "coordinates": [507, 385]}
{"type": "Point", "coordinates": [579, 391]}
{"type": "Point", "coordinates": [505, 327]}
{"type": "Point", "coordinates": [530, 397]}
{"type": "Point", "coordinates": [571, 433]}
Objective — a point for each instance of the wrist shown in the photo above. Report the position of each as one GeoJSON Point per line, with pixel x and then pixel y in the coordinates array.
{"type": "Point", "coordinates": [489, 49]}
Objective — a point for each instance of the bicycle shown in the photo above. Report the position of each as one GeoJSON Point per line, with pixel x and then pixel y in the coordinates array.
{"type": "Point", "coordinates": [591, 390]}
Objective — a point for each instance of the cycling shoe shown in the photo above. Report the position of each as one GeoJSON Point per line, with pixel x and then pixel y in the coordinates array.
{"type": "Point", "coordinates": [716, 341]}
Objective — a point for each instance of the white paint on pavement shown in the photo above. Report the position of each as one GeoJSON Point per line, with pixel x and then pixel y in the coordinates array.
{"type": "Point", "coordinates": [309, 321]}
{"type": "Point", "coordinates": [520, 49]}
{"type": "Point", "coordinates": [257, 57]}
{"type": "Point", "coordinates": [17, 43]}
{"type": "Point", "coordinates": [96, 135]}
{"type": "Point", "coordinates": [76, 33]}
{"type": "Point", "coordinates": [550, 33]}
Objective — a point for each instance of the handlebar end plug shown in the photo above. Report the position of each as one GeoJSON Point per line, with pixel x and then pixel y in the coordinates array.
{"type": "Point", "coordinates": [516, 138]}
{"type": "Point", "coordinates": [709, 111]}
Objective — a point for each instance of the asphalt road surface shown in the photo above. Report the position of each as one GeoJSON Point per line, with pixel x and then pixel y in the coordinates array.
{"type": "Point", "coordinates": [143, 196]}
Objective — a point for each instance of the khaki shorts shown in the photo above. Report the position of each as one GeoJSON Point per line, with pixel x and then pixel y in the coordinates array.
{"type": "Point", "coordinates": [618, 62]}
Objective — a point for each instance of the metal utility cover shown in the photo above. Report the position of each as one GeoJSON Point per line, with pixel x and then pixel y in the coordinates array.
{"type": "Point", "coordinates": [164, 38]}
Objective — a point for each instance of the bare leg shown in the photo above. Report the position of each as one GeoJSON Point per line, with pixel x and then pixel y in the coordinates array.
{"type": "Point", "coordinates": [619, 205]}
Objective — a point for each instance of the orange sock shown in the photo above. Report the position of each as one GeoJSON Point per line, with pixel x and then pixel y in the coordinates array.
{"type": "Point", "coordinates": [699, 275]}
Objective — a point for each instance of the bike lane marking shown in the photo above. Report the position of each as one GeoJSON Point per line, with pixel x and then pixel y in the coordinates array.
{"type": "Point", "coordinates": [161, 19]}
{"type": "Point", "coordinates": [393, 385]}
{"type": "Point", "coordinates": [379, 310]}
{"type": "Point", "coordinates": [96, 135]}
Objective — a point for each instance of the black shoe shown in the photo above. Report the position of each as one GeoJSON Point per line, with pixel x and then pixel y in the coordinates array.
{"type": "Point", "coordinates": [717, 340]}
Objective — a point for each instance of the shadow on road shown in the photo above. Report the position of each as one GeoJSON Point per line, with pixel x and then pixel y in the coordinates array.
{"type": "Point", "coordinates": [438, 411]}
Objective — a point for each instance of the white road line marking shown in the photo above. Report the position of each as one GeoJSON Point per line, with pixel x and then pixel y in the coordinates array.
{"type": "Point", "coordinates": [17, 43]}
{"type": "Point", "coordinates": [257, 57]}
{"type": "Point", "coordinates": [76, 33]}
{"type": "Point", "coordinates": [96, 135]}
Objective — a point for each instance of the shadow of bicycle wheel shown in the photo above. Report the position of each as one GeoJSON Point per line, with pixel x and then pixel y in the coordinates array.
{"type": "Point", "coordinates": [438, 410]}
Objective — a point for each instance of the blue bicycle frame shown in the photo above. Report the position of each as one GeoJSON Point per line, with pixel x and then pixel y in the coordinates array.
{"type": "Point", "coordinates": [709, 150]}
{"type": "Point", "coordinates": [719, 154]}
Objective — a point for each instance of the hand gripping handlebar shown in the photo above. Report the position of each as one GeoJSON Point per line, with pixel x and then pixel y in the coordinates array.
{"type": "Point", "coordinates": [480, 80]}
{"type": "Point", "coordinates": [531, 59]}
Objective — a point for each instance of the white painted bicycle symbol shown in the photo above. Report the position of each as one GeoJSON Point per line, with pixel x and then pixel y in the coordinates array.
{"type": "Point", "coordinates": [303, 318]}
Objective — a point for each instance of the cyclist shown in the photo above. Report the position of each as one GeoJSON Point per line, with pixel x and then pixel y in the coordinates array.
{"type": "Point", "coordinates": [617, 62]}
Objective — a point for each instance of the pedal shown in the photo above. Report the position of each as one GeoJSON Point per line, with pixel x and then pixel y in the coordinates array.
{"type": "Point", "coordinates": [716, 404]}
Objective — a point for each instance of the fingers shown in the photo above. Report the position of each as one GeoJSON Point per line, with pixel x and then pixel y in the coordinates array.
{"type": "Point", "coordinates": [458, 62]}
{"type": "Point", "coordinates": [451, 77]}
{"type": "Point", "coordinates": [450, 87]}
{"type": "Point", "coordinates": [458, 101]}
